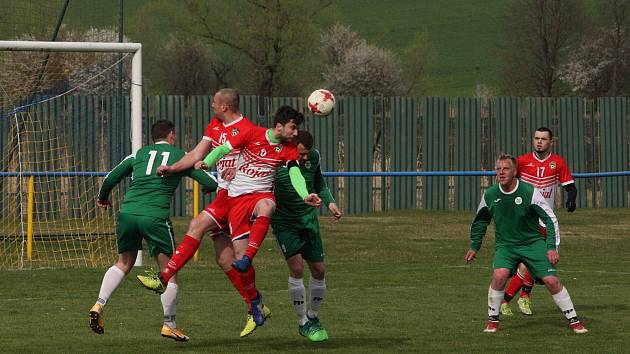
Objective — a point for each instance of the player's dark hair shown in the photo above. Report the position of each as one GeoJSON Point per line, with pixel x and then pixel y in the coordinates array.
{"type": "Point", "coordinates": [504, 157]}
{"type": "Point", "coordinates": [161, 129]}
{"type": "Point", "coordinates": [285, 114]}
{"type": "Point", "coordinates": [305, 138]}
{"type": "Point", "coordinates": [230, 97]}
{"type": "Point", "coordinates": [545, 129]}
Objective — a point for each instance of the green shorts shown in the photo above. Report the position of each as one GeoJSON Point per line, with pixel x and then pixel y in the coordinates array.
{"type": "Point", "coordinates": [534, 256]}
{"type": "Point", "coordinates": [299, 235]}
{"type": "Point", "coordinates": [133, 228]}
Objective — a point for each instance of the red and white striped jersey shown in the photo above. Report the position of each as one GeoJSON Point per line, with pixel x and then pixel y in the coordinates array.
{"type": "Point", "coordinates": [544, 174]}
{"type": "Point", "coordinates": [218, 133]}
{"type": "Point", "coordinates": [258, 161]}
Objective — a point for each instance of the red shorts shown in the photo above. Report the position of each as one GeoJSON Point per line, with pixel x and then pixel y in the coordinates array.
{"type": "Point", "coordinates": [241, 212]}
{"type": "Point", "coordinates": [218, 210]}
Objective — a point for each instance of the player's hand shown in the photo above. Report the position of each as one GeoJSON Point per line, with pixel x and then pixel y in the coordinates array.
{"type": "Point", "coordinates": [313, 200]}
{"type": "Point", "coordinates": [553, 257]}
{"type": "Point", "coordinates": [470, 256]}
{"type": "Point", "coordinates": [334, 210]}
{"type": "Point", "coordinates": [103, 203]}
{"type": "Point", "coordinates": [163, 170]}
{"type": "Point", "coordinates": [228, 174]}
{"type": "Point", "coordinates": [571, 206]}
{"type": "Point", "coordinates": [200, 165]}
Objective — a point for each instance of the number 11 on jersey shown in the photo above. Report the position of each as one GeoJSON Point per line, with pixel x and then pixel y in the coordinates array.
{"type": "Point", "coordinates": [152, 155]}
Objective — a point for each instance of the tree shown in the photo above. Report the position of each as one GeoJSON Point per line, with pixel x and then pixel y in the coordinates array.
{"type": "Point", "coordinates": [601, 65]}
{"type": "Point", "coordinates": [355, 68]}
{"type": "Point", "coordinates": [184, 67]}
{"type": "Point", "coordinates": [539, 37]}
{"type": "Point", "coordinates": [272, 38]}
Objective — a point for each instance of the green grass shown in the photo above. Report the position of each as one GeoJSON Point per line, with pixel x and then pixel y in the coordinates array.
{"type": "Point", "coordinates": [397, 283]}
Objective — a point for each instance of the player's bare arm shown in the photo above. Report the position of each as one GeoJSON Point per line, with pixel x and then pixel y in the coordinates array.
{"type": "Point", "coordinates": [188, 161]}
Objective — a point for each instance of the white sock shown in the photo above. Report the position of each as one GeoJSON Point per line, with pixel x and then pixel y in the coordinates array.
{"type": "Point", "coordinates": [297, 293]}
{"type": "Point", "coordinates": [169, 303]}
{"type": "Point", "coordinates": [494, 302]}
{"type": "Point", "coordinates": [318, 290]}
{"type": "Point", "coordinates": [111, 280]}
{"type": "Point", "coordinates": [563, 300]}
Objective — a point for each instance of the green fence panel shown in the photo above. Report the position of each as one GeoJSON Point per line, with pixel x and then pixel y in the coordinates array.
{"type": "Point", "coordinates": [614, 150]}
{"type": "Point", "coordinates": [403, 150]}
{"type": "Point", "coordinates": [253, 107]}
{"type": "Point", "coordinates": [358, 133]}
{"type": "Point", "coordinates": [325, 131]}
{"type": "Point", "coordinates": [506, 132]}
{"type": "Point", "coordinates": [468, 152]}
{"type": "Point", "coordinates": [435, 149]}
{"type": "Point", "coordinates": [571, 142]}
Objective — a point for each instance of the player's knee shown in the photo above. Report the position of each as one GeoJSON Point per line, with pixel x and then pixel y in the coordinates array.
{"type": "Point", "coordinates": [265, 207]}
{"type": "Point", "coordinates": [318, 270]}
{"type": "Point", "coordinates": [553, 284]}
{"type": "Point", "coordinates": [224, 261]}
{"type": "Point", "coordinates": [499, 278]}
{"type": "Point", "coordinates": [199, 225]}
{"type": "Point", "coordinates": [296, 272]}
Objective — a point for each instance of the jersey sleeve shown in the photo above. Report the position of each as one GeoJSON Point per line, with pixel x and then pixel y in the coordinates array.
{"type": "Point", "coordinates": [204, 178]}
{"type": "Point", "coordinates": [321, 187]}
{"type": "Point", "coordinates": [208, 133]}
{"type": "Point", "coordinates": [480, 225]}
{"type": "Point", "coordinates": [563, 173]}
{"type": "Point", "coordinates": [546, 214]}
{"type": "Point", "coordinates": [122, 170]}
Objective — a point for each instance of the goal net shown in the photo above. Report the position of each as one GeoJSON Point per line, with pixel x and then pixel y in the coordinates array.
{"type": "Point", "coordinates": [61, 122]}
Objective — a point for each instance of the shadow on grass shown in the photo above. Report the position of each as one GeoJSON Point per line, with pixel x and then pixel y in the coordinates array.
{"type": "Point", "coordinates": [378, 344]}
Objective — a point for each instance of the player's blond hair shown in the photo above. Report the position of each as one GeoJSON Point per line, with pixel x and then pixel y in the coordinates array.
{"type": "Point", "coordinates": [504, 157]}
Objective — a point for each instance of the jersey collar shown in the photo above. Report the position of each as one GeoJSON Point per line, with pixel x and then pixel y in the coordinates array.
{"type": "Point", "coordinates": [162, 142]}
{"type": "Point", "coordinates": [233, 122]}
{"type": "Point", "coordinates": [514, 190]}
{"type": "Point", "coordinates": [269, 137]}
{"type": "Point", "coordinates": [539, 160]}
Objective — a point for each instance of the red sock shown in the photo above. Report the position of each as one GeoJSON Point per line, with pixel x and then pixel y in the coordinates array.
{"type": "Point", "coordinates": [513, 287]}
{"type": "Point", "coordinates": [257, 235]}
{"type": "Point", "coordinates": [248, 279]}
{"type": "Point", "coordinates": [184, 251]}
{"type": "Point", "coordinates": [528, 284]}
{"type": "Point", "coordinates": [235, 278]}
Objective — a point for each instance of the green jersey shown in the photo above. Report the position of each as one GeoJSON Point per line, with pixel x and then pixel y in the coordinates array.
{"type": "Point", "coordinates": [150, 194]}
{"type": "Point", "coordinates": [515, 217]}
{"type": "Point", "coordinates": [290, 204]}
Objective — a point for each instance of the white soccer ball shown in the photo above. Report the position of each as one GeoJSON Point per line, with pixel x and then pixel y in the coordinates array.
{"type": "Point", "coordinates": [321, 102]}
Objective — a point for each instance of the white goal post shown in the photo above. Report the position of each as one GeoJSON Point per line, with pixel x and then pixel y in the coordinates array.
{"type": "Point", "coordinates": [136, 75]}
{"type": "Point", "coordinates": [136, 70]}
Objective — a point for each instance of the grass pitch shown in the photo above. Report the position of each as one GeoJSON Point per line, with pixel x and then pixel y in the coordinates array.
{"type": "Point", "coordinates": [397, 282]}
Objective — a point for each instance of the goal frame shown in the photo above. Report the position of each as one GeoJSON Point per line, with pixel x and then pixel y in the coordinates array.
{"type": "Point", "coordinates": [111, 47]}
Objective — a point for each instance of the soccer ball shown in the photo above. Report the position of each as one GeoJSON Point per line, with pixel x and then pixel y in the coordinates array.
{"type": "Point", "coordinates": [321, 102]}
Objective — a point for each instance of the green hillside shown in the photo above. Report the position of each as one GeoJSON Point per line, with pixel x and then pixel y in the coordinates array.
{"type": "Point", "coordinates": [464, 35]}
